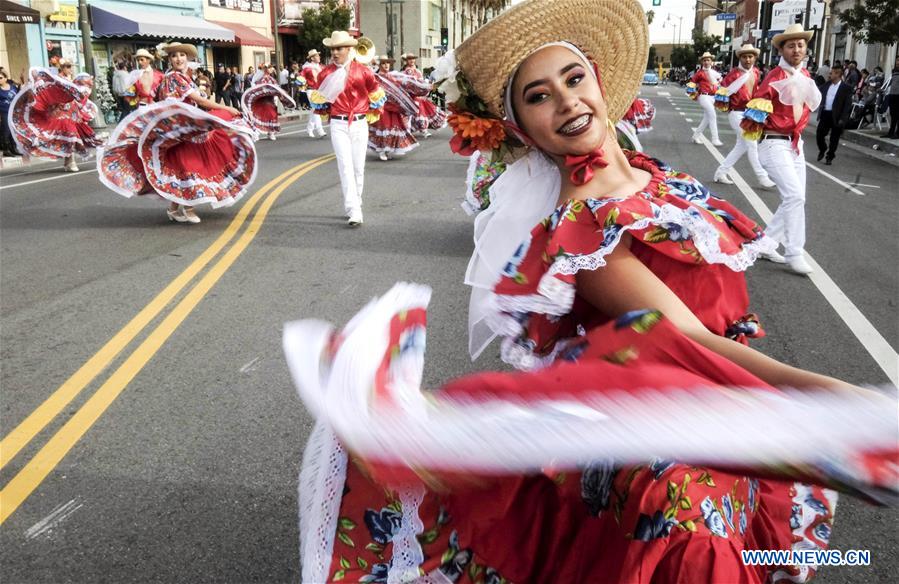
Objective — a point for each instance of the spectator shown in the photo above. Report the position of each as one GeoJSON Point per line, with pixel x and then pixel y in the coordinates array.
{"type": "Point", "coordinates": [861, 82]}
{"type": "Point", "coordinates": [836, 105]}
{"type": "Point", "coordinates": [8, 91]}
{"type": "Point", "coordinates": [284, 79]}
{"type": "Point", "coordinates": [237, 88]}
{"type": "Point", "coordinates": [891, 89]}
{"type": "Point", "coordinates": [221, 80]}
{"type": "Point", "coordinates": [248, 78]}
{"type": "Point", "coordinates": [119, 87]}
{"type": "Point", "coordinates": [851, 76]}
{"type": "Point", "coordinates": [823, 73]}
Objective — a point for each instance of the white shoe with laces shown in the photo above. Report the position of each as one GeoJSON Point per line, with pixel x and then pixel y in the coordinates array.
{"type": "Point", "coordinates": [766, 183]}
{"type": "Point", "coordinates": [721, 177]}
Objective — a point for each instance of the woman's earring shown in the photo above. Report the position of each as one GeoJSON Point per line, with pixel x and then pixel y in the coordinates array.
{"type": "Point", "coordinates": [610, 125]}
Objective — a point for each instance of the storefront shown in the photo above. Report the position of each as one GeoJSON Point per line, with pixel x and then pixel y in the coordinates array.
{"type": "Point", "coordinates": [20, 37]}
{"type": "Point", "coordinates": [62, 36]}
{"type": "Point", "coordinates": [250, 21]}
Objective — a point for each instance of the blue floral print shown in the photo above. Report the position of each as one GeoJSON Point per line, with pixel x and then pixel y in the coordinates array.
{"type": "Point", "coordinates": [650, 528]}
{"type": "Point", "coordinates": [596, 486]}
{"type": "Point", "coordinates": [822, 532]}
{"type": "Point", "coordinates": [816, 505]}
{"type": "Point", "coordinates": [728, 508]}
{"type": "Point", "coordinates": [378, 574]}
{"type": "Point", "coordinates": [659, 466]}
{"type": "Point", "coordinates": [712, 517]}
{"type": "Point", "coordinates": [384, 525]}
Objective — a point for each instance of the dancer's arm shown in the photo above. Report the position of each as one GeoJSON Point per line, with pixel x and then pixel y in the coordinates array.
{"type": "Point", "coordinates": [626, 284]}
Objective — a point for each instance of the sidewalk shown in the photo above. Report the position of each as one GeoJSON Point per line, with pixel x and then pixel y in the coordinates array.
{"type": "Point", "coordinates": [15, 162]}
{"type": "Point", "coordinates": [867, 141]}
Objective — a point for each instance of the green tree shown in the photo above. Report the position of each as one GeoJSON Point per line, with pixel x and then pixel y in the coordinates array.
{"type": "Point", "coordinates": [683, 56]}
{"type": "Point", "coordinates": [651, 61]}
{"type": "Point", "coordinates": [704, 42]}
{"type": "Point", "coordinates": [318, 23]}
{"type": "Point", "coordinates": [873, 21]}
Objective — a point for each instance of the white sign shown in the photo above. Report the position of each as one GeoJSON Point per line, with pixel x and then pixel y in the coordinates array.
{"type": "Point", "coordinates": [784, 13]}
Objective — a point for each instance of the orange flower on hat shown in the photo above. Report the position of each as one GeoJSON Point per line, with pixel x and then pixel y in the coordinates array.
{"type": "Point", "coordinates": [472, 133]}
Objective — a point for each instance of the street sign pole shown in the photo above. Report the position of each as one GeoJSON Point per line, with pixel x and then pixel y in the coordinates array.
{"type": "Point", "coordinates": [88, 55]}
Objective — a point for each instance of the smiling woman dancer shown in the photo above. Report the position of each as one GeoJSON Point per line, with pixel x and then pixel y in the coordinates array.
{"type": "Point", "coordinates": [580, 237]}
{"type": "Point", "coordinates": [185, 148]}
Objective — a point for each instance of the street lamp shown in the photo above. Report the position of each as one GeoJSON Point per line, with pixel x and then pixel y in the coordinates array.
{"type": "Point", "coordinates": [680, 21]}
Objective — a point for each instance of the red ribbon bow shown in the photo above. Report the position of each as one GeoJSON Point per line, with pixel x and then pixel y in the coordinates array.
{"type": "Point", "coordinates": [582, 166]}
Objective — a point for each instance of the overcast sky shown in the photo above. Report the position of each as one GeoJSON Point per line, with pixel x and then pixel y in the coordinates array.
{"type": "Point", "coordinates": [664, 30]}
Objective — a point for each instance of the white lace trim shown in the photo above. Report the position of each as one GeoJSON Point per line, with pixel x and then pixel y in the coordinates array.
{"type": "Point", "coordinates": [322, 477]}
{"type": "Point", "coordinates": [407, 553]}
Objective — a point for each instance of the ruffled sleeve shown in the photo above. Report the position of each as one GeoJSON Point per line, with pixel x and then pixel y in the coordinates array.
{"type": "Point", "coordinates": [535, 305]}
{"type": "Point", "coordinates": [178, 86]}
{"type": "Point", "coordinates": [755, 116]}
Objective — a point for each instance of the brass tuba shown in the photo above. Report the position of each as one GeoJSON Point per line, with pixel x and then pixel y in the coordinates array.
{"type": "Point", "coordinates": [365, 50]}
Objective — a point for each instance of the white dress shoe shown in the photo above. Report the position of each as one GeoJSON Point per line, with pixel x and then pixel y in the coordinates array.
{"type": "Point", "coordinates": [382, 156]}
{"type": "Point", "coordinates": [766, 183]}
{"type": "Point", "coordinates": [721, 177]}
{"type": "Point", "coordinates": [800, 266]}
{"type": "Point", "coordinates": [773, 256]}
{"type": "Point", "coordinates": [311, 134]}
{"type": "Point", "coordinates": [717, 143]}
{"type": "Point", "coordinates": [175, 215]}
{"type": "Point", "coordinates": [271, 136]}
{"type": "Point", "coordinates": [355, 219]}
{"type": "Point", "coordinates": [696, 139]}
{"type": "Point", "coordinates": [190, 215]}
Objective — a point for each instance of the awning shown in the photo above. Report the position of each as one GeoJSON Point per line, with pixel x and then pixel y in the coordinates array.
{"type": "Point", "coordinates": [244, 35]}
{"type": "Point", "coordinates": [106, 22]}
{"type": "Point", "coordinates": [13, 13]}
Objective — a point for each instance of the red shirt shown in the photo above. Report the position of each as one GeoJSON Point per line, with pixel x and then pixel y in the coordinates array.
{"type": "Point", "coordinates": [781, 121]}
{"type": "Point", "coordinates": [311, 72]}
{"type": "Point", "coordinates": [360, 83]}
{"type": "Point", "coordinates": [739, 99]}
{"type": "Point", "coordinates": [413, 72]}
{"type": "Point", "coordinates": [704, 83]}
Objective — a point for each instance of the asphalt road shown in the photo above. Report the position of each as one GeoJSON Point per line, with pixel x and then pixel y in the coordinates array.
{"type": "Point", "coordinates": [174, 455]}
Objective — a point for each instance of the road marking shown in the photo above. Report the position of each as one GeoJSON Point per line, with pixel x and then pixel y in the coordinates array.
{"type": "Point", "coordinates": [36, 470]}
{"type": "Point", "coordinates": [22, 434]}
{"type": "Point", "coordinates": [665, 93]}
{"type": "Point", "coordinates": [864, 185]}
{"type": "Point", "coordinates": [843, 184]}
{"type": "Point", "coordinates": [57, 516]}
{"type": "Point", "coordinates": [688, 119]}
{"type": "Point", "coordinates": [40, 180]}
{"type": "Point", "coordinates": [870, 338]}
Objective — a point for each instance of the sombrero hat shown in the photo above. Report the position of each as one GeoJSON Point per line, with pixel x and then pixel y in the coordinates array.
{"type": "Point", "coordinates": [143, 53]}
{"type": "Point", "coordinates": [407, 56]}
{"type": "Point", "coordinates": [748, 48]}
{"type": "Point", "coordinates": [794, 31]}
{"type": "Point", "coordinates": [707, 55]}
{"type": "Point", "coordinates": [339, 38]}
{"type": "Point", "coordinates": [386, 59]}
{"type": "Point", "coordinates": [312, 53]}
{"type": "Point", "coordinates": [613, 33]}
{"type": "Point", "coordinates": [176, 47]}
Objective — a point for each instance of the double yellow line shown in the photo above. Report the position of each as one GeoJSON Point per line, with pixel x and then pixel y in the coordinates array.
{"type": "Point", "coordinates": [36, 470]}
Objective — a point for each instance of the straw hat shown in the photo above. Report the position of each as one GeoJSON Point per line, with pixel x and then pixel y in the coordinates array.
{"type": "Point", "coordinates": [706, 55]}
{"type": "Point", "coordinates": [613, 33]}
{"type": "Point", "coordinates": [747, 48]}
{"type": "Point", "coordinates": [339, 38]}
{"type": "Point", "coordinates": [386, 59]}
{"type": "Point", "coordinates": [62, 63]}
{"type": "Point", "coordinates": [143, 53]}
{"type": "Point", "coordinates": [407, 56]}
{"type": "Point", "coordinates": [312, 53]}
{"type": "Point", "coordinates": [176, 47]}
{"type": "Point", "coordinates": [794, 31]}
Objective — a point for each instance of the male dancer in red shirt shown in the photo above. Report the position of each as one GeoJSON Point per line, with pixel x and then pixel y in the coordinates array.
{"type": "Point", "coordinates": [740, 83]}
{"type": "Point", "coordinates": [790, 95]}
{"type": "Point", "coordinates": [350, 95]}
{"type": "Point", "coordinates": [706, 80]}
{"type": "Point", "coordinates": [311, 70]}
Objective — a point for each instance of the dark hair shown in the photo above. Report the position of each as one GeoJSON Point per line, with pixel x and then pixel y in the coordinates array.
{"type": "Point", "coordinates": [837, 67]}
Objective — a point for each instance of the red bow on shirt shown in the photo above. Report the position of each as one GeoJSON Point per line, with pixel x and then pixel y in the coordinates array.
{"type": "Point", "coordinates": [582, 166]}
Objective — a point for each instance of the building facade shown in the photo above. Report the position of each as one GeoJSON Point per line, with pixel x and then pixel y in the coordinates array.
{"type": "Point", "coordinates": [840, 44]}
{"type": "Point", "coordinates": [251, 23]}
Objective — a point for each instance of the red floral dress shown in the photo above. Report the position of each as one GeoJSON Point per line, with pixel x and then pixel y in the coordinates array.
{"type": "Point", "coordinates": [51, 116]}
{"type": "Point", "coordinates": [655, 522]}
{"type": "Point", "coordinates": [179, 152]}
{"type": "Point", "coordinates": [429, 116]}
{"type": "Point", "coordinates": [258, 104]}
{"type": "Point", "coordinates": [391, 133]}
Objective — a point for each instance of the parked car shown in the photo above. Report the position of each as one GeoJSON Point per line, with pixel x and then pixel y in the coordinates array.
{"type": "Point", "coordinates": [650, 78]}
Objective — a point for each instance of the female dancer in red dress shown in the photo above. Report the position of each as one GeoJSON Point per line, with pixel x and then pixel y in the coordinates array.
{"type": "Point", "coordinates": [258, 103]}
{"type": "Point", "coordinates": [390, 135]}
{"type": "Point", "coordinates": [51, 116]}
{"type": "Point", "coordinates": [178, 151]}
{"type": "Point", "coordinates": [429, 117]}
{"type": "Point", "coordinates": [579, 239]}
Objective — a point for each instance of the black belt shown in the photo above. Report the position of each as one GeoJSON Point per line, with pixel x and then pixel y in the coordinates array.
{"type": "Point", "coordinates": [355, 117]}
{"type": "Point", "coordinates": [776, 137]}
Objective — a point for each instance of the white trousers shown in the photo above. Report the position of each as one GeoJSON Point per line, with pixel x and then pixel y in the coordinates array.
{"type": "Point", "coordinates": [742, 146]}
{"type": "Point", "coordinates": [709, 117]}
{"type": "Point", "coordinates": [787, 169]}
{"type": "Point", "coordinates": [314, 124]}
{"type": "Point", "coordinates": [350, 141]}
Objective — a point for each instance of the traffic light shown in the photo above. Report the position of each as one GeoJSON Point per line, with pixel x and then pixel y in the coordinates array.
{"type": "Point", "coordinates": [728, 35]}
{"type": "Point", "coordinates": [656, 2]}
{"type": "Point", "coordinates": [444, 37]}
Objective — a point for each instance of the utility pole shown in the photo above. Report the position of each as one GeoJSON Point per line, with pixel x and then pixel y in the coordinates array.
{"type": "Point", "coordinates": [88, 56]}
{"type": "Point", "coordinates": [276, 19]}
